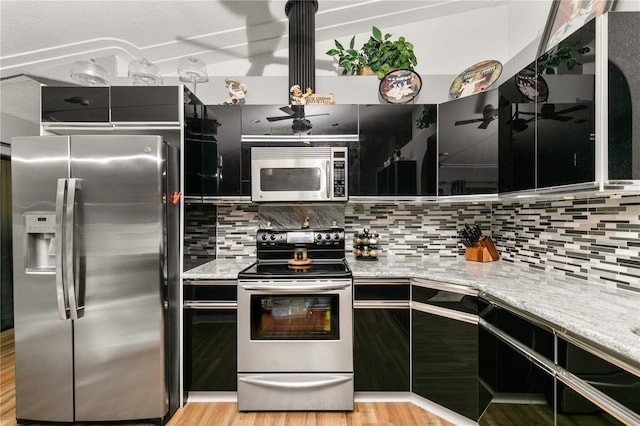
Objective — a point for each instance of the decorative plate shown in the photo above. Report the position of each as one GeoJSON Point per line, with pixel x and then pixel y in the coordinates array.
{"type": "Point", "coordinates": [400, 86]}
{"type": "Point", "coordinates": [532, 86]}
{"type": "Point", "coordinates": [475, 79]}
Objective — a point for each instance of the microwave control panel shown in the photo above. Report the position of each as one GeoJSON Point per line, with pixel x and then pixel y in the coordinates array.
{"type": "Point", "coordinates": [339, 178]}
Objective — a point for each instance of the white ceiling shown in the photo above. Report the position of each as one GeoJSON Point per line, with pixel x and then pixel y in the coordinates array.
{"type": "Point", "coordinates": [40, 35]}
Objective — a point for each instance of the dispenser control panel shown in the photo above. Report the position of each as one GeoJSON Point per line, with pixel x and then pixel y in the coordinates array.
{"type": "Point", "coordinates": [40, 223]}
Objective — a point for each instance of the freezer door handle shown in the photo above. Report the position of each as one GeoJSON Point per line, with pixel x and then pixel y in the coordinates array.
{"type": "Point", "coordinates": [61, 291]}
{"type": "Point", "coordinates": [76, 309]}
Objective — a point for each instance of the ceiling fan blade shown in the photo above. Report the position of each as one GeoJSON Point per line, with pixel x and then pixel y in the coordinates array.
{"type": "Point", "coordinates": [477, 120]}
{"type": "Point", "coordinates": [316, 115]}
{"type": "Point", "coordinates": [485, 124]}
{"type": "Point", "coordinates": [278, 118]}
{"type": "Point", "coordinates": [572, 109]}
{"type": "Point", "coordinates": [562, 118]}
{"type": "Point", "coordinates": [287, 110]}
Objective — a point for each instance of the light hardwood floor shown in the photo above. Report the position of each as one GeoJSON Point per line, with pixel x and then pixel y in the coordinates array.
{"type": "Point", "coordinates": [226, 413]}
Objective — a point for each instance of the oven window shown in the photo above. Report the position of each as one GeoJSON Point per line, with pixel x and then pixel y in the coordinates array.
{"type": "Point", "coordinates": [290, 179]}
{"type": "Point", "coordinates": [295, 317]}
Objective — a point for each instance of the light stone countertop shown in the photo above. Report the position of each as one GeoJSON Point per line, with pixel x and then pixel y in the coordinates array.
{"type": "Point", "coordinates": [604, 315]}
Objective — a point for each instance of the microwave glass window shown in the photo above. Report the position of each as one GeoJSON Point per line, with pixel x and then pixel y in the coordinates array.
{"type": "Point", "coordinates": [291, 179]}
{"type": "Point", "coordinates": [295, 317]}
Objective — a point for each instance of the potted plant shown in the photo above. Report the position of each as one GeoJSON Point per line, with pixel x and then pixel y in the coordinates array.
{"type": "Point", "coordinates": [380, 53]}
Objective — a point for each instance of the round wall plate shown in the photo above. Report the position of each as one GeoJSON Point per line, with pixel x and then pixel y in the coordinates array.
{"type": "Point", "coordinates": [475, 79]}
{"type": "Point", "coordinates": [532, 86]}
{"type": "Point", "coordinates": [400, 86]}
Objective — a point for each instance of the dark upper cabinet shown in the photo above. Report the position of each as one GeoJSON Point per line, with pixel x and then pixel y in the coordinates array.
{"type": "Point", "coordinates": [75, 104]}
{"type": "Point", "coordinates": [223, 126]}
{"type": "Point", "coordinates": [624, 96]}
{"type": "Point", "coordinates": [516, 134]}
{"type": "Point", "coordinates": [116, 104]}
{"type": "Point", "coordinates": [565, 121]}
{"type": "Point", "coordinates": [193, 149]}
{"type": "Point", "coordinates": [212, 150]}
{"type": "Point", "coordinates": [396, 151]}
{"type": "Point", "coordinates": [468, 145]}
{"type": "Point", "coordinates": [145, 104]}
{"type": "Point", "coordinates": [547, 118]}
{"type": "Point", "coordinates": [295, 121]}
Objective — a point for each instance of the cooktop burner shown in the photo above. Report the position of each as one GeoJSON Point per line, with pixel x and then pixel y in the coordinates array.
{"type": "Point", "coordinates": [282, 269]}
{"type": "Point", "coordinates": [303, 253]}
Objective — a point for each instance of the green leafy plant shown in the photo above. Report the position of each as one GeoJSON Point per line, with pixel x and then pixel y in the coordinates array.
{"type": "Point", "coordinates": [379, 52]}
{"type": "Point", "coordinates": [549, 62]}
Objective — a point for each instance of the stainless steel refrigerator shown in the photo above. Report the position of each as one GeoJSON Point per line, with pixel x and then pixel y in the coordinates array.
{"type": "Point", "coordinates": [95, 246]}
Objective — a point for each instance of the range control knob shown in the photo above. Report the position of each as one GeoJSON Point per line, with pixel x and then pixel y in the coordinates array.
{"type": "Point", "coordinates": [263, 237]}
{"type": "Point", "coordinates": [336, 237]}
{"type": "Point", "coordinates": [328, 236]}
{"type": "Point", "coordinates": [319, 237]}
{"type": "Point", "coordinates": [273, 237]}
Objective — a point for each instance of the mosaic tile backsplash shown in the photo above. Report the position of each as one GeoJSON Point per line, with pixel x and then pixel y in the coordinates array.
{"type": "Point", "coordinates": [596, 238]}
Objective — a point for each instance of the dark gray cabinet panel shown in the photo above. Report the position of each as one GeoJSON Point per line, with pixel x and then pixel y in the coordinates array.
{"type": "Point", "coordinates": [397, 150]}
{"type": "Point", "coordinates": [75, 104]}
{"type": "Point", "coordinates": [547, 118]}
{"type": "Point", "coordinates": [381, 349]}
{"type": "Point", "coordinates": [565, 121]}
{"type": "Point", "coordinates": [210, 336]}
{"type": "Point", "coordinates": [298, 121]}
{"type": "Point", "coordinates": [468, 145]}
{"type": "Point", "coordinates": [145, 104]}
{"type": "Point", "coordinates": [445, 362]}
{"type": "Point", "coordinates": [624, 96]}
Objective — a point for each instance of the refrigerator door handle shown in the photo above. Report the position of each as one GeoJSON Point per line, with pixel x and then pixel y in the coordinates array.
{"type": "Point", "coordinates": [61, 292]}
{"type": "Point", "coordinates": [75, 309]}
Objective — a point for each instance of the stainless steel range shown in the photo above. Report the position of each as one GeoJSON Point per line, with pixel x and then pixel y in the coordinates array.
{"type": "Point", "coordinates": [295, 332]}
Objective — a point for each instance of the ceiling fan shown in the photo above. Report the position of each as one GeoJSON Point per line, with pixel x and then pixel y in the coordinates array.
{"type": "Point", "coordinates": [489, 113]}
{"type": "Point", "coordinates": [548, 112]}
{"type": "Point", "coordinates": [295, 113]}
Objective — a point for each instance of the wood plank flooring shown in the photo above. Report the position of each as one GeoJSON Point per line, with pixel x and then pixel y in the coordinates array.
{"type": "Point", "coordinates": [226, 413]}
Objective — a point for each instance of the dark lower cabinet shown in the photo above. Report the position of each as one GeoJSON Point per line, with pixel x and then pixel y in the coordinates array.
{"type": "Point", "coordinates": [211, 346]}
{"type": "Point", "coordinates": [445, 362]}
{"type": "Point", "coordinates": [538, 378]}
{"type": "Point", "coordinates": [381, 349]}
{"type": "Point", "coordinates": [210, 342]}
{"type": "Point", "coordinates": [381, 341]}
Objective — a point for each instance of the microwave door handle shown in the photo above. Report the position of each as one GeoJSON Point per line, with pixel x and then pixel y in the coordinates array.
{"type": "Point", "coordinates": [69, 252]}
{"type": "Point", "coordinates": [328, 170]}
{"type": "Point", "coordinates": [63, 308]}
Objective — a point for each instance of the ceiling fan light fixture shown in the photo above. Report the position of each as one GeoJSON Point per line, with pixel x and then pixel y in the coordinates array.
{"type": "Point", "coordinates": [89, 73]}
{"type": "Point", "coordinates": [144, 73]}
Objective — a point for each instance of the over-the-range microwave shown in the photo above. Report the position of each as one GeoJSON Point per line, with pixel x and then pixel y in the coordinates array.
{"type": "Point", "coordinates": [296, 173]}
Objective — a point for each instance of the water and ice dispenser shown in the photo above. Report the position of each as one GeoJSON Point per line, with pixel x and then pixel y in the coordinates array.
{"type": "Point", "coordinates": [40, 228]}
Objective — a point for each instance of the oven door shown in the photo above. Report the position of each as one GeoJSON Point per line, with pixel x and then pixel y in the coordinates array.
{"type": "Point", "coordinates": [295, 325]}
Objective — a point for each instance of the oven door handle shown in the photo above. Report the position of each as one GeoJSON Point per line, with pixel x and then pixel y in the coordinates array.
{"type": "Point", "coordinates": [317, 383]}
{"type": "Point", "coordinates": [300, 289]}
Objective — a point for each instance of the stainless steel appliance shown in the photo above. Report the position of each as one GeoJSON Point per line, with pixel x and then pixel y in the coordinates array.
{"type": "Point", "coordinates": [296, 173]}
{"type": "Point", "coordinates": [95, 249]}
{"type": "Point", "coordinates": [295, 324]}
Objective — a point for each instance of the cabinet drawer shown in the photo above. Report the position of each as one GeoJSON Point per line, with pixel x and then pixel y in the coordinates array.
{"type": "Point", "coordinates": [381, 290]}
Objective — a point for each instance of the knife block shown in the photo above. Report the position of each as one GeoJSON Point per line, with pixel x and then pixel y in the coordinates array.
{"type": "Point", "coordinates": [484, 251]}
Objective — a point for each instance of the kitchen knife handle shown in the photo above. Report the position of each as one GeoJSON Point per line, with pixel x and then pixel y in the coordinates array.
{"type": "Point", "coordinates": [75, 310]}
{"type": "Point", "coordinates": [63, 302]}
